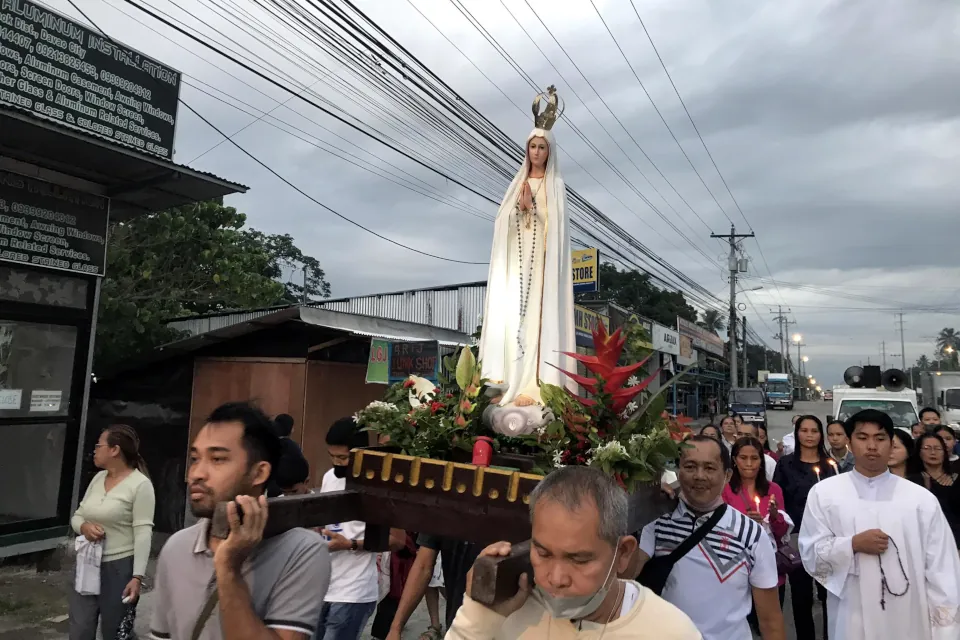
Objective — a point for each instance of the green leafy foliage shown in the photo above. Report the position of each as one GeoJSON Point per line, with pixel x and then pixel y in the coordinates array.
{"type": "Point", "coordinates": [432, 423]}
{"type": "Point", "coordinates": [192, 259]}
{"type": "Point", "coordinates": [604, 427]}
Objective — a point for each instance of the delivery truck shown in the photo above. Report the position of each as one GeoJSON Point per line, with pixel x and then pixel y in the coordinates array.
{"type": "Point", "coordinates": [941, 390]}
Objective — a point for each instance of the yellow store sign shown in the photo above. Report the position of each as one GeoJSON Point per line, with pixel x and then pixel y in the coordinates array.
{"type": "Point", "coordinates": [586, 263]}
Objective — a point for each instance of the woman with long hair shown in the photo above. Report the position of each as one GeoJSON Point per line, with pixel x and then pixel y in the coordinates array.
{"type": "Point", "coordinates": [949, 437]}
{"type": "Point", "coordinates": [749, 492]}
{"type": "Point", "coordinates": [711, 430]}
{"type": "Point", "coordinates": [117, 512]}
{"type": "Point", "coordinates": [901, 450]}
{"type": "Point", "coordinates": [796, 474]}
{"type": "Point", "coordinates": [764, 439]}
{"type": "Point", "coordinates": [932, 459]}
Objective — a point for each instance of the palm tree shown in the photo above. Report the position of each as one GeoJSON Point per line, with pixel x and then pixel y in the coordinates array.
{"type": "Point", "coordinates": [711, 320]}
{"type": "Point", "coordinates": [948, 337]}
{"type": "Point", "coordinates": [923, 363]}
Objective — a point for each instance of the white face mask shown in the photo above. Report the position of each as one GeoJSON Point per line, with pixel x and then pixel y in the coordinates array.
{"type": "Point", "coordinates": [576, 607]}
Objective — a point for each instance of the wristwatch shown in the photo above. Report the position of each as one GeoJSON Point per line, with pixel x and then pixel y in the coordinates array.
{"type": "Point", "coordinates": [353, 545]}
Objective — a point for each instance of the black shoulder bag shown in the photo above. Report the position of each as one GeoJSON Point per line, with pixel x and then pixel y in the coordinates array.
{"type": "Point", "coordinates": [656, 571]}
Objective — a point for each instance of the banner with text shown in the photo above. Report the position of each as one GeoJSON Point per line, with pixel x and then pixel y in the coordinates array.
{"type": "Point", "coordinates": [665, 340]}
{"type": "Point", "coordinates": [701, 338]}
{"type": "Point", "coordinates": [586, 263]}
{"type": "Point", "coordinates": [61, 70]}
{"type": "Point", "coordinates": [45, 225]}
{"type": "Point", "coordinates": [378, 365]}
{"type": "Point", "coordinates": [414, 359]}
{"type": "Point", "coordinates": [585, 322]}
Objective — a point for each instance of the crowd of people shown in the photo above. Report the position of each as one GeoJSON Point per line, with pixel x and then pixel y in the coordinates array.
{"type": "Point", "coordinates": [857, 517]}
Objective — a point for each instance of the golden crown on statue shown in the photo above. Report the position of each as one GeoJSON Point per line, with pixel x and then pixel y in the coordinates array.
{"type": "Point", "coordinates": [551, 112]}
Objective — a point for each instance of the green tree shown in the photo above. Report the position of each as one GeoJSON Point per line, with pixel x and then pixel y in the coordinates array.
{"type": "Point", "coordinates": [711, 320]}
{"type": "Point", "coordinates": [633, 290]}
{"type": "Point", "coordinates": [191, 259]}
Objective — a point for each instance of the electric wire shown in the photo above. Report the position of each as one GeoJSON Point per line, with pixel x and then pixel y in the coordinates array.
{"type": "Point", "coordinates": [657, 109]}
{"type": "Point", "coordinates": [280, 177]}
{"type": "Point", "coordinates": [702, 141]}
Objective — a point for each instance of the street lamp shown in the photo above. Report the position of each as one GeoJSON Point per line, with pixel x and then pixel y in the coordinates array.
{"type": "Point", "coordinates": [813, 381]}
{"type": "Point", "coordinates": [806, 359]}
{"type": "Point", "coordinates": [797, 337]}
{"type": "Point", "coordinates": [819, 388]}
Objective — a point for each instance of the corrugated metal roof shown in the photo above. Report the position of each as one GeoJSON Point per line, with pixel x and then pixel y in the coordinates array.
{"type": "Point", "coordinates": [346, 322]}
{"type": "Point", "coordinates": [205, 324]}
{"type": "Point", "coordinates": [458, 307]}
{"type": "Point", "coordinates": [136, 182]}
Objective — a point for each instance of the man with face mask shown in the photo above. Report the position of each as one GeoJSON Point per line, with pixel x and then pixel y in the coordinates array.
{"type": "Point", "coordinates": [352, 596]}
{"type": "Point", "coordinates": [579, 544]}
{"type": "Point", "coordinates": [244, 587]}
{"type": "Point", "coordinates": [734, 563]}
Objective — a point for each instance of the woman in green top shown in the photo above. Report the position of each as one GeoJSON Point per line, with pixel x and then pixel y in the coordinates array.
{"type": "Point", "coordinates": [116, 510]}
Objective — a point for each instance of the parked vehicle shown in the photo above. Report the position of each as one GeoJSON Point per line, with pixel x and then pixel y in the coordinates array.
{"type": "Point", "coordinates": [828, 395]}
{"type": "Point", "coordinates": [749, 403]}
{"type": "Point", "coordinates": [901, 406]}
{"type": "Point", "coordinates": [779, 391]}
{"type": "Point", "coordinates": [941, 390]}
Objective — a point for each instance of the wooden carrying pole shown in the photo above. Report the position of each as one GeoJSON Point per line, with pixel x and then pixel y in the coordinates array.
{"type": "Point", "coordinates": [449, 499]}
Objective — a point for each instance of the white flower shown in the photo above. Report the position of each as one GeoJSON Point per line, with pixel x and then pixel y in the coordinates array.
{"type": "Point", "coordinates": [628, 411]}
{"type": "Point", "coordinates": [633, 381]}
{"type": "Point", "coordinates": [356, 417]}
{"type": "Point", "coordinates": [556, 460]}
{"type": "Point", "coordinates": [383, 406]}
{"type": "Point", "coordinates": [612, 448]}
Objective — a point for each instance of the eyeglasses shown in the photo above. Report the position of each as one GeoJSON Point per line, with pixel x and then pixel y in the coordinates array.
{"type": "Point", "coordinates": [931, 449]}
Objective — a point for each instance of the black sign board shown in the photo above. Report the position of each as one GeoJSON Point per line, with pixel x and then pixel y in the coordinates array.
{"type": "Point", "coordinates": [45, 225]}
{"type": "Point", "coordinates": [62, 71]}
{"type": "Point", "coordinates": [414, 359]}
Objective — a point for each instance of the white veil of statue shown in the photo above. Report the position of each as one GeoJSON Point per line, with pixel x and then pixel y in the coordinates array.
{"type": "Point", "coordinates": [528, 319]}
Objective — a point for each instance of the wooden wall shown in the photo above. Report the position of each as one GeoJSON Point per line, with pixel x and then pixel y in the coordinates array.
{"type": "Point", "coordinates": [275, 384]}
{"type": "Point", "coordinates": [334, 390]}
{"type": "Point", "coordinates": [316, 394]}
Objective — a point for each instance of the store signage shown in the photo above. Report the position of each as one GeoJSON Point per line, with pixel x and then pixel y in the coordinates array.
{"type": "Point", "coordinates": [378, 366]}
{"type": "Point", "coordinates": [585, 321]}
{"type": "Point", "coordinates": [414, 359]}
{"type": "Point", "coordinates": [60, 70]}
{"type": "Point", "coordinates": [700, 337]}
{"type": "Point", "coordinates": [666, 340]}
{"type": "Point", "coordinates": [586, 263]}
{"type": "Point", "coordinates": [46, 225]}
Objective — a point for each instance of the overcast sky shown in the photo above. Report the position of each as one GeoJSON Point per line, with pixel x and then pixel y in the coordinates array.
{"type": "Point", "coordinates": [835, 124]}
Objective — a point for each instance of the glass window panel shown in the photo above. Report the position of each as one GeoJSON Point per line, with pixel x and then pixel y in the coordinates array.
{"type": "Point", "coordinates": [36, 368]}
{"type": "Point", "coordinates": [39, 287]}
{"type": "Point", "coordinates": [31, 461]}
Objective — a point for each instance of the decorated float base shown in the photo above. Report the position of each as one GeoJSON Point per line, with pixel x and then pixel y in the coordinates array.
{"type": "Point", "coordinates": [462, 501]}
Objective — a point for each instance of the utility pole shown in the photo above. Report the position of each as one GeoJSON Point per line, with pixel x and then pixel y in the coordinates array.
{"type": "Point", "coordinates": [780, 318]}
{"type": "Point", "coordinates": [801, 380]}
{"type": "Point", "coordinates": [883, 354]}
{"type": "Point", "coordinates": [304, 298]}
{"type": "Point", "coordinates": [746, 380]}
{"type": "Point", "coordinates": [734, 266]}
{"type": "Point", "coordinates": [903, 353]}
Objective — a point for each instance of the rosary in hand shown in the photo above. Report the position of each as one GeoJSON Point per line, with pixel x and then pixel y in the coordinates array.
{"type": "Point", "coordinates": [884, 585]}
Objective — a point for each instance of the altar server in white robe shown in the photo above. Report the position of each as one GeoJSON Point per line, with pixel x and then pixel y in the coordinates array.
{"type": "Point", "coordinates": [881, 546]}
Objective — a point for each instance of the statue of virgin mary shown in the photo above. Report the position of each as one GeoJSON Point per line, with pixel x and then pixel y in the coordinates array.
{"type": "Point", "coordinates": [528, 319]}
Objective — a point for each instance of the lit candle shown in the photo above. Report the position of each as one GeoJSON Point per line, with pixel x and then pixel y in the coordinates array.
{"type": "Point", "coordinates": [816, 470]}
{"type": "Point", "coordinates": [756, 500]}
{"type": "Point", "coordinates": [833, 463]}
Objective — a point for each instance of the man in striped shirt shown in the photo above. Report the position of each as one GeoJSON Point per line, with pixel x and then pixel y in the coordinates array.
{"type": "Point", "coordinates": [733, 566]}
